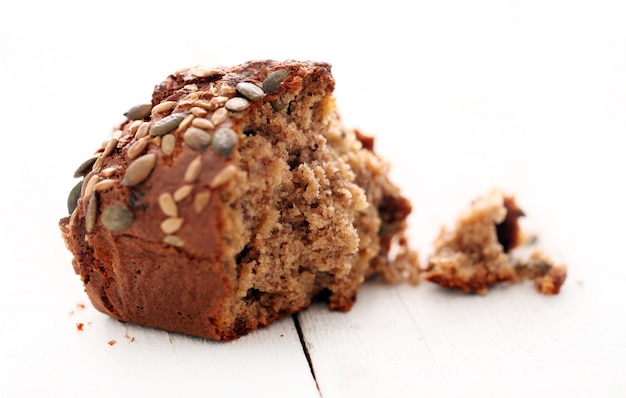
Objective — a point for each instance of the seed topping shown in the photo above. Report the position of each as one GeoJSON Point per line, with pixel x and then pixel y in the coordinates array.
{"type": "Point", "coordinates": [168, 205]}
{"type": "Point", "coordinates": [143, 130]}
{"type": "Point", "coordinates": [273, 80]}
{"type": "Point", "coordinates": [72, 199]}
{"type": "Point", "coordinates": [104, 185]}
{"type": "Point", "coordinates": [219, 116]}
{"type": "Point", "coordinates": [138, 147]}
{"type": "Point", "coordinates": [171, 225]}
{"type": "Point", "coordinates": [167, 124]}
{"type": "Point", "coordinates": [203, 123]}
{"type": "Point", "coordinates": [250, 91]}
{"type": "Point", "coordinates": [224, 142]}
{"type": "Point", "coordinates": [201, 71]}
{"type": "Point", "coordinates": [138, 112]}
{"type": "Point", "coordinates": [197, 139]}
{"type": "Point", "coordinates": [198, 112]}
{"type": "Point", "coordinates": [108, 172]}
{"type": "Point", "coordinates": [117, 218]}
{"type": "Point", "coordinates": [85, 167]}
{"type": "Point", "coordinates": [193, 170]}
{"type": "Point", "coordinates": [174, 240]}
{"type": "Point", "coordinates": [168, 143]}
{"type": "Point", "coordinates": [139, 170]}
{"type": "Point", "coordinates": [237, 104]}
{"type": "Point", "coordinates": [223, 176]}
{"type": "Point", "coordinates": [92, 213]}
{"type": "Point", "coordinates": [201, 200]}
{"type": "Point", "coordinates": [182, 192]}
{"type": "Point", "coordinates": [163, 107]}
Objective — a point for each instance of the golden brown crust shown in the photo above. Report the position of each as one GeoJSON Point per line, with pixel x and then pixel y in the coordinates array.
{"type": "Point", "coordinates": [213, 217]}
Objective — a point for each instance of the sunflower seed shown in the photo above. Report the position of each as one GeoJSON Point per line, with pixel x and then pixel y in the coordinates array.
{"type": "Point", "coordinates": [273, 80]}
{"type": "Point", "coordinates": [219, 101]}
{"type": "Point", "coordinates": [143, 130]}
{"type": "Point", "coordinates": [191, 87]}
{"type": "Point", "coordinates": [134, 126]}
{"type": "Point", "coordinates": [90, 184]}
{"type": "Point", "coordinates": [201, 71]}
{"type": "Point", "coordinates": [110, 147]}
{"type": "Point", "coordinates": [117, 134]}
{"type": "Point", "coordinates": [72, 199]}
{"type": "Point", "coordinates": [163, 107]}
{"type": "Point", "coordinates": [250, 91]}
{"type": "Point", "coordinates": [167, 124]}
{"type": "Point", "coordinates": [184, 125]}
{"type": "Point", "coordinates": [97, 166]}
{"type": "Point", "coordinates": [138, 147]}
{"type": "Point", "coordinates": [174, 240]}
{"type": "Point", "coordinates": [138, 112]}
{"type": "Point", "coordinates": [139, 170]}
{"type": "Point", "coordinates": [85, 167]}
{"type": "Point", "coordinates": [226, 91]}
{"type": "Point", "coordinates": [201, 200]}
{"type": "Point", "coordinates": [193, 170]}
{"type": "Point", "coordinates": [92, 213]}
{"type": "Point", "coordinates": [86, 181]}
{"type": "Point", "coordinates": [117, 218]}
{"type": "Point", "coordinates": [182, 192]}
{"type": "Point", "coordinates": [198, 112]}
{"type": "Point", "coordinates": [237, 104]}
{"type": "Point", "coordinates": [156, 141]}
{"type": "Point", "coordinates": [168, 143]}
{"type": "Point", "coordinates": [108, 172]}
{"type": "Point", "coordinates": [203, 123]}
{"type": "Point", "coordinates": [171, 225]}
{"type": "Point", "coordinates": [104, 185]}
{"type": "Point", "coordinates": [224, 142]}
{"type": "Point", "coordinates": [223, 176]}
{"type": "Point", "coordinates": [168, 205]}
{"type": "Point", "coordinates": [219, 116]}
{"type": "Point", "coordinates": [205, 105]}
{"type": "Point", "coordinates": [197, 139]}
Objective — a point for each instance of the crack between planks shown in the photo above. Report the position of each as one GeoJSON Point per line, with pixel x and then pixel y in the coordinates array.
{"type": "Point", "coordinates": [305, 349]}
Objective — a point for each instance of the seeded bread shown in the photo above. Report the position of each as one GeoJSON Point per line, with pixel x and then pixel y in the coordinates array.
{"type": "Point", "coordinates": [235, 198]}
{"type": "Point", "coordinates": [478, 252]}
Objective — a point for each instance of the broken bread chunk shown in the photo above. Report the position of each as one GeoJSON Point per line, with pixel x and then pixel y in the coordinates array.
{"type": "Point", "coordinates": [477, 253]}
{"type": "Point", "coordinates": [234, 198]}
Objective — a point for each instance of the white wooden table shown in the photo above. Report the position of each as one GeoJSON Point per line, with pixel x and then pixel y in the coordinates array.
{"type": "Point", "coordinates": [526, 96]}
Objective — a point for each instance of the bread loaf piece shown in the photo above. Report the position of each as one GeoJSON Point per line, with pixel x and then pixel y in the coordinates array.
{"type": "Point", "coordinates": [235, 198]}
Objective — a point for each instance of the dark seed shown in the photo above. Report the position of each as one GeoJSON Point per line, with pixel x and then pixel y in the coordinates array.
{"type": "Point", "coordinates": [72, 199]}
{"type": "Point", "coordinates": [85, 167]}
{"type": "Point", "coordinates": [273, 80]}
{"type": "Point", "coordinates": [139, 170]}
{"type": "Point", "coordinates": [224, 142]}
{"type": "Point", "coordinates": [167, 124]}
{"type": "Point", "coordinates": [92, 212]}
{"type": "Point", "coordinates": [250, 91]}
{"type": "Point", "coordinates": [138, 112]}
{"type": "Point", "coordinates": [117, 218]}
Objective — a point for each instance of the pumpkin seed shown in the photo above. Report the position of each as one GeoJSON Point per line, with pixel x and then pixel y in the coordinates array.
{"type": "Point", "coordinates": [167, 124]}
{"type": "Point", "coordinates": [92, 213]}
{"type": "Point", "coordinates": [273, 80]}
{"type": "Point", "coordinates": [138, 112]}
{"type": "Point", "coordinates": [139, 170]}
{"type": "Point", "coordinates": [168, 143]}
{"type": "Point", "coordinates": [197, 139]}
{"type": "Point", "coordinates": [224, 142]}
{"type": "Point", "coordinates": [72, 199]}
{"type": "Point", "coordinates": [117, 218]}
{"type": "Point", "coordinates": [250, 91]}
{"type": "Point", "coordinates": [237, 104]}
{"type": "Point", "coordinates": [85, 167]}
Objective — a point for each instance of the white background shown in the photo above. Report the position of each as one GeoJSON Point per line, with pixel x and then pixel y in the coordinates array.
{"type": "Point", "coordinates": [528, 96]}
